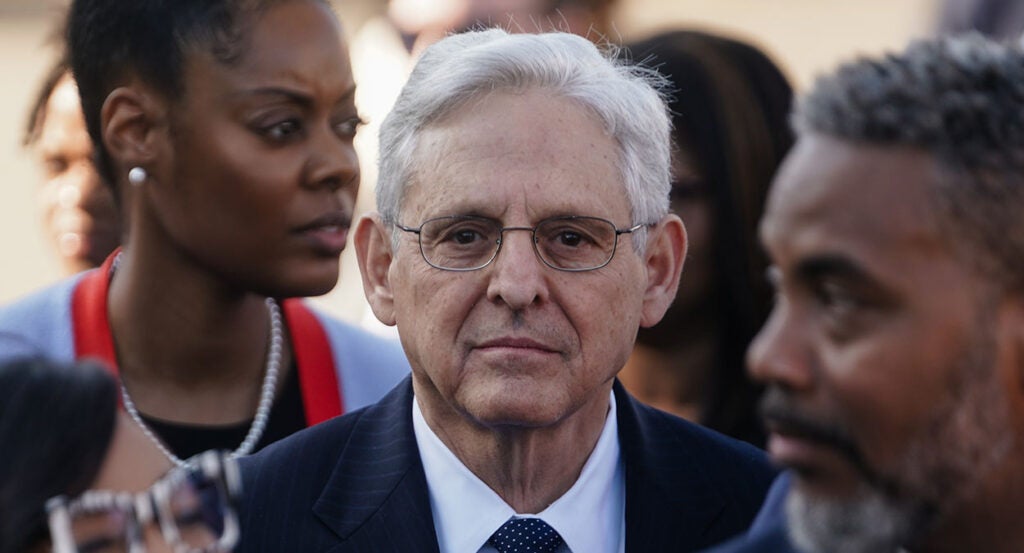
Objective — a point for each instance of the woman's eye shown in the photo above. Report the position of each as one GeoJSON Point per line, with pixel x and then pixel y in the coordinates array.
{"type": "Point", "coordinates": [55, 166]}
{"type": "Point", "coordinates": [348, 127]}
{"type": "Point", "coordinates": [283, 130]}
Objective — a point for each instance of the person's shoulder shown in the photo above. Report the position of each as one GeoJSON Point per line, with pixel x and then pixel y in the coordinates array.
{"type": "Point", "coordinates": [41, 320]}
{"type": "Point", "coordinates": [307, 450]}
{"type": "Point", "coordinates": [774, 540]}
{"type": "Point", "coordinates": [711, 447]}
{"type": "Point", "coordinates": [315, 450]}
{"type": "Point", "coordinates": [739, 472]}
{"type": "Point", "coordinates": [40, 301]}
{"type": "Point", "coordinates": [368, 365]}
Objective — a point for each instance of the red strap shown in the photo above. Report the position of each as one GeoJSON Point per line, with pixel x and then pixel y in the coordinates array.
{"type": "Point", "coordinates": [89, 316]}
{"type": "Point", "coordinates": [321, 395]}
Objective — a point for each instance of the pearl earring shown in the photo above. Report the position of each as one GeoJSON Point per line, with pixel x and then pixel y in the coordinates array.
{"type": "Point", "coordinates": [137, 176]}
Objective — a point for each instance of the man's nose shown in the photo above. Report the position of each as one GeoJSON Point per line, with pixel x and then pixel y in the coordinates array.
{"type": "Point", "coordinates": [780, 354]}
{"type": "Point", "coordinates": [517, 275]}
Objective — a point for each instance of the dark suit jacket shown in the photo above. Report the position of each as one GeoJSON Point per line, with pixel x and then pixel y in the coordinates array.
{"type": "Point", "coordinates": [356, 484]}
{"type": "Point", "coordinates": [768, 532]}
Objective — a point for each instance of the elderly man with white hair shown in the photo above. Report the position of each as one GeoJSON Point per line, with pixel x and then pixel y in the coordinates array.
{"type": "Point", "coordinates": [522, 238]}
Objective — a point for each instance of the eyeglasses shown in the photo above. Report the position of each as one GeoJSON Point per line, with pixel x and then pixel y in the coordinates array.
{"type": "Point", "coordinates": [468, 243]}
{"type": "Point", "coordinates": [194, 507]}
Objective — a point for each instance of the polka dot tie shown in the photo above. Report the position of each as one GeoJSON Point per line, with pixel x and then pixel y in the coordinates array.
{"type": "Point", "coordinates": [526, 535]}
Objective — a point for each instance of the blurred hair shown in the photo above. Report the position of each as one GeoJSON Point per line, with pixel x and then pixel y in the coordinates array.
{"type": "Point", "coordinates": [111, 42]}
{"type": "Point", "coordinates": [56, 424]}
{"type": "Point", "coordinates": [962, 100]}
{"type": "Point", "coordinates": [729, 106]}
{"type": "Point", "coordinates": [999, 19]}
{"type": "Point", "coordinates": [37, 113]}
{"type": "Point", "coordinates": [623, 98]}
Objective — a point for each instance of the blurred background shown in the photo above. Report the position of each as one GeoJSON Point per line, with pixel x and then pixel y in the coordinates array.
{"type": "Point", "coordinates": [805, 37]}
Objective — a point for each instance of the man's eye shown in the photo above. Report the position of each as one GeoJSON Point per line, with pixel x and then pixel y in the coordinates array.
{"type": "Point", "coordinates": [839, 302]}
{"type": "Point", "coordinates": [464, 236]}
{"type": "Point", "coordinates": [569, 238]}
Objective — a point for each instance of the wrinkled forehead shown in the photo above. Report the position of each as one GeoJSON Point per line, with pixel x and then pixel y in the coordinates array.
{"type": "Point", "coordinates": [535, 152]}
{"type": "Point", "coordinates": [835, 194]}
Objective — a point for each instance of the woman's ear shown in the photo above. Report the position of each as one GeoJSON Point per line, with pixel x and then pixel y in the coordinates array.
{"type": "Point", "coordinates": [372, 241]}
{"type": "Point", "coordinates": [131, 121]}
{"type": "Point", "coordinates": [666, 251]}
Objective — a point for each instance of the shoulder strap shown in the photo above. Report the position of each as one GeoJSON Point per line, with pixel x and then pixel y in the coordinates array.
{"type": "Point", "coordinates": [321, 393]}
{"type": "Point", "coordinates": [89, 321]}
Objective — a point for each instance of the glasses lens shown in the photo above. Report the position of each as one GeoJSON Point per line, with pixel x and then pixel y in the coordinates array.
{"type": "Point", "coordinates": [197, 505]}
{"type": "Point", "coordinates": [459, 242]}
{"type": "Point", "coordinates": [576, 243]}
{"type": "Point", "coordinates": [102, 531]}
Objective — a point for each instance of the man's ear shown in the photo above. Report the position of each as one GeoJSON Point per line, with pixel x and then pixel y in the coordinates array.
{"type": "Point", "coordinates": [666, 251]}
{"type": "Point", "coordinates": [131, 121]}
{"type": "Point", "coordinates": [372, 241]}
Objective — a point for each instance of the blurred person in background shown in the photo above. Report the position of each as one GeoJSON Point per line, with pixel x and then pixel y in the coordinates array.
{"type": "Point", "coordinates": [729, 105]}
{"type": "Point", "coordinates": [893, 355]}
{"type": "Point", "coordinates": [998, 19]}
{"type": "Point", "coordinates": [225, 131]}
{"type": "Point", "coordinates": [79, 215]}
{"type": "Point", "coordinates": [69, 452]}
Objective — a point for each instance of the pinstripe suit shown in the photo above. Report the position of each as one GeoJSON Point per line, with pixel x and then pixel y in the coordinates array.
{"type": "Point", "coordinates": [356, 484]}
{"type": "Point", "coordinates": [767, 534]}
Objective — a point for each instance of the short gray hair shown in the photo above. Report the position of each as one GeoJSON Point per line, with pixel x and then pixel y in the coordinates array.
{"type": "Point", "coordinates": [962, 100]}
{"type": "Point", "coordinates": [625, 98]}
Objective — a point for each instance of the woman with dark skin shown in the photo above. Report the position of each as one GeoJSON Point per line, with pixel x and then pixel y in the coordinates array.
{"type": "Point", "coordinates": [225, 129]}
{"type": "Point", "coordinates": [729, 104]}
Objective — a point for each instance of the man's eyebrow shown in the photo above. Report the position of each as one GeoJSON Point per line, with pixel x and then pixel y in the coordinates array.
{"type": "Point", "coordinates": [817, 267]}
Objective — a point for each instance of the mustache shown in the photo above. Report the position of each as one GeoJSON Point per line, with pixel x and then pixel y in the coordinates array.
{"type": "Point", "coordinates": [779, 411]}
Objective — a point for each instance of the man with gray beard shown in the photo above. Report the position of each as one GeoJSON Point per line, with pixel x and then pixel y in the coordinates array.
{"type": "Point", "coordinates": [894, 356]}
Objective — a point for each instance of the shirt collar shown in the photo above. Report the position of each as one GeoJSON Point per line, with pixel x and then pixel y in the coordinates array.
{"type": "Point", "coordinates": [590, 516]}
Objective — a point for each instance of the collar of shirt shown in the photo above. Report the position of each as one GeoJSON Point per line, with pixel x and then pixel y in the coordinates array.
{"type": "Point", "coordinates": [590, 516]}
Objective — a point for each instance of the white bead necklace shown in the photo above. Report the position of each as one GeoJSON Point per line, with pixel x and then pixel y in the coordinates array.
{"type": "Point", "coordinates": [259, 422]}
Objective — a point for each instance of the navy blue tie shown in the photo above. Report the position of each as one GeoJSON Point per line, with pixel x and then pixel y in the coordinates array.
{"type": "Point", "coordinates": [526, 535]}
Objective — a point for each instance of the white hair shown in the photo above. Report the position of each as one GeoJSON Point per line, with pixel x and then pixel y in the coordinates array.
{"type": "Point", "coordinates": [624, 98]}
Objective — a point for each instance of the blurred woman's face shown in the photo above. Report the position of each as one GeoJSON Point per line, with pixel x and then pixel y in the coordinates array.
{"type": "Point", "coordinates": [691, 201]}
{"type": "Point", "coordinates": [79, 215]}
{"type": "Point", "coordinates": [261, 177]}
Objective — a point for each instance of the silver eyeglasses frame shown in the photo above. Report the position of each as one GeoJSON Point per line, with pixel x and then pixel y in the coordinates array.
{"type": "Point", "coordinates": [533, 232]}
{"type": "Point", "coordinates": [153, 504]}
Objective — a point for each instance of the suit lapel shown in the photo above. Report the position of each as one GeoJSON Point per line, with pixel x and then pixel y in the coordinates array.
{"type": "Point", "coordinates": [377, 499]}
{"type": "Point", "coordinates": [670, 502]}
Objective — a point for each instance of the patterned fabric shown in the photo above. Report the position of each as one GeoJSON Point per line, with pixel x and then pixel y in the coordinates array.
{"type": "Point", "coordinates": [526, 535]}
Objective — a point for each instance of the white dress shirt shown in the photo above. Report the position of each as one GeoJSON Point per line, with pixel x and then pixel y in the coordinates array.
{"type": "Point", "coordinates": [590, 516]}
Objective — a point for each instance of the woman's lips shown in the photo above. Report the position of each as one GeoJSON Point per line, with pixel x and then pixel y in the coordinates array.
{"type": "Point", "coordinates": [330, 239]}
{"type": "Point", "coordinates": [327, 233]}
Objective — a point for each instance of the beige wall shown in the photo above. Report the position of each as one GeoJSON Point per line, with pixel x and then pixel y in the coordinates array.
{"type": "Point", "coordinates": [805, 36]}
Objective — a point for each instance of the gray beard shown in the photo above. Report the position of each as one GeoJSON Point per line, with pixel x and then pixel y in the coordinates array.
{"type": "Point", "coordinates": [868, 523]}
{"type": "Point", "coordinates": [942, 467]}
